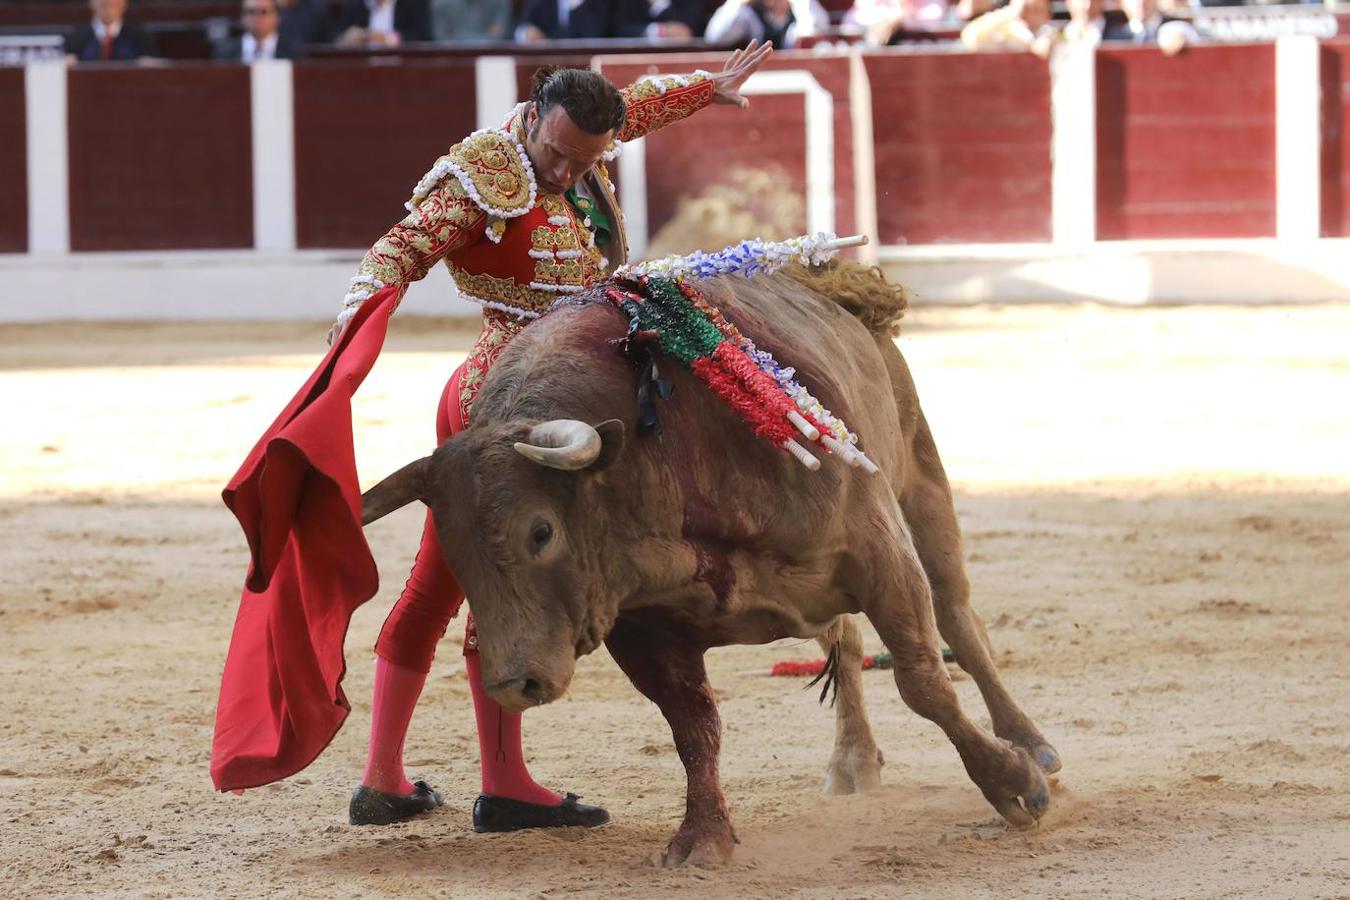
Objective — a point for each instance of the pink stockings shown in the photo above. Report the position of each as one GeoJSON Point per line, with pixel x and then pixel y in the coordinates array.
{"type": "Point", "coordinates": [404, 652]}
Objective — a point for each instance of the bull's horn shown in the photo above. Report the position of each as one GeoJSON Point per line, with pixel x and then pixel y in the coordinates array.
{"type": "Point", "coordinates": [561, 444]}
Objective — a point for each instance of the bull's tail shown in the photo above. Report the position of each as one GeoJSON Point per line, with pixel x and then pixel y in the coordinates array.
{"type": "Point", "coordinates": [861, 290]}
{"type": "Point", "coordinates": [830, 673]}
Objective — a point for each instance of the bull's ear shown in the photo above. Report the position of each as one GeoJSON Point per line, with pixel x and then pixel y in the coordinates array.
{"type": "Point", "coordinates": [396, 491]}
{"type": "Point", "coordinates": [611, 433]}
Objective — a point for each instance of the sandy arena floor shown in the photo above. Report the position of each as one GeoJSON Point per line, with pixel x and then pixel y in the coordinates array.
{"type": "Point", "coordinates": [1155, 505]}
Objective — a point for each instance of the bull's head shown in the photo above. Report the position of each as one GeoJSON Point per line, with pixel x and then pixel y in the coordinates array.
{"type": "Point", "coordinates": [521, 521]}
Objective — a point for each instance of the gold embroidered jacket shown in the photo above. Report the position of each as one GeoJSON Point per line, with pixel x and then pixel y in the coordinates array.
{"type": "Point", "coordinates": [510, 248]}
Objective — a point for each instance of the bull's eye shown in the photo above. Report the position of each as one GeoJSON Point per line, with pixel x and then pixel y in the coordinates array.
{"type": "Point", "coordinates": [541, 535]}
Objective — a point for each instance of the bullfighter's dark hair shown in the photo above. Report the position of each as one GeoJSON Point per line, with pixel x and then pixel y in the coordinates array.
{"type": "Point", "coordinates": [592, 103]}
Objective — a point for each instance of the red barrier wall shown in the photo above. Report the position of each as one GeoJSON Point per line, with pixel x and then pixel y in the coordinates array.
{"type": "Point", "coordinates": [160, 160]}
{"type": "Point", "coordinates": [689, 157]}
{"type": "Point", "coordinates": [364, 135]}
{"type": "Point", "coordinates": [962, 147]}
{"type": "Point", "coordinates": [13, 164]}
{"type": "Point", "coordinates": [1186, 145]}
{"type": "Point", "coordinates": [1335, 146]}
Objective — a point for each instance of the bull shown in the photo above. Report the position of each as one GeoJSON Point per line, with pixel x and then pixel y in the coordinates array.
{"type": "Point", "coordinates": [568, 529]}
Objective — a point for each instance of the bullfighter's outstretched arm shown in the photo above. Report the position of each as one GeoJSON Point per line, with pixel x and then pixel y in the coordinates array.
{"type": "Point", "coordinates": [657, 101]}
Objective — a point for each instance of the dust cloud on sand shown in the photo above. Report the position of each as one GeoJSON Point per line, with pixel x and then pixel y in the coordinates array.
{"type": "Point", "coordinates": [1157, 531]}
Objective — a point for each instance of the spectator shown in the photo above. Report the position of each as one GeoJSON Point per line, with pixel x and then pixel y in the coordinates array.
{"type": "Point", "coordinates": [546, 20]}
{"type": "Point", "coordinates": [1087, 23]}
{"type": "Point", "coordinates": [1017, 26]}
{"type": "Point", "coordinates": [881, 19]}
{"type": "Point", "coordinates": [471, 20]}
{"type": "Point", "coordinates": [552, 19]}
{"type": "Point", "coordinates": [384, 23]}
{"type": "Point", "coordinates": [305, 22]}
{"type": "Point", "coordinates": [108, 37]}
{"type": "Point", "coordinates": [777, 22]}
{"type": "Point", "coordinates": [1145, 24]}
{"type": "Point", "coordinates": [969, 10]}
{"type": "Point", "coordinates": [677, 20]}
{"type": "Point", "coordinates": [261, 39]}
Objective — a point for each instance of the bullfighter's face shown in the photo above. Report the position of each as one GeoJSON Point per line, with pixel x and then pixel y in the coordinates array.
{"type": "Point", "coordinates": [559, 151]}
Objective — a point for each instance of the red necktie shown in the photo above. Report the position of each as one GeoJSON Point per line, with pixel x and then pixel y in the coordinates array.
{"type": "Point", "coordinates": [105, 51]}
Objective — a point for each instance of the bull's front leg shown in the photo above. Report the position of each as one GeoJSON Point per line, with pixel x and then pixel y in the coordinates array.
{"type": "Point", "coordinates": [668, 670]}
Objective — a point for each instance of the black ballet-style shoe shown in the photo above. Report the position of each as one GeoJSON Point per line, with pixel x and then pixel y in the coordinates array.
{"type": "Point", "coordinates": [372, 807]}
{"type": "Point", "coordinates": [503, 814]}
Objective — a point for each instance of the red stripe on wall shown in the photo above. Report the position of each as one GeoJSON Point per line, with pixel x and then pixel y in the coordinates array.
{"type": "Point", "coordinates": [962, 147]}
{"type": "Point", "coordinates": [160, 159]}
{"type": "Point", "coordinates": [1335, 66]}
{"type": "Point", "coordinates": [13, 163]}
{"type": "Point", "coordinates": [1186, 145]}
{"type": "Point", "coordinates": [364, 135]}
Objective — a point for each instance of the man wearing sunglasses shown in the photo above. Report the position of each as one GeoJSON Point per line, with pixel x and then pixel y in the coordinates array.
{"type": "Point", "coordinates": [262, 37]}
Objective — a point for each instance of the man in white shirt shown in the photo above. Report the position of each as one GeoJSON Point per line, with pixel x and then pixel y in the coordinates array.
{"type": "Point", "coordinates": [261, 18]}
{"type": "Point", "coordinates": [1020, 25]}
{"type": "Point", "coordinates": [373, 24]}
{"type": "Point", "coordinates": [882, 19]}
{"type": "Point", "coordinates": [1087, 22]}
{"type": "Point", "coordinates": [1145, 24]}
{"type": "Point", "coordinates": [777, 22]}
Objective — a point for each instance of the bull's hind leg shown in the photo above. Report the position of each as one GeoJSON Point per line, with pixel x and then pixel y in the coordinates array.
{"type": "Point", "coordinates": [927, 504]}
{"type": "Point", "coordinates": [896, 598]}
{"type": "Point", "coordinates": [669, 671]}
{"type": "Point", "coordinates": [855, 764]}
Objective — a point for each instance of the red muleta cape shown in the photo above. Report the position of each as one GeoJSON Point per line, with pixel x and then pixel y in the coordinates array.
{"type": "Point", "coordinates": [299, 502]}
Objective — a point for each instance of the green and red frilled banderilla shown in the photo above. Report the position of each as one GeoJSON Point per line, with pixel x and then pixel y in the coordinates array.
{"type": "Point", "coordinates": [810, 414]}
{"type": "Point", "coordinates": [697, 336]}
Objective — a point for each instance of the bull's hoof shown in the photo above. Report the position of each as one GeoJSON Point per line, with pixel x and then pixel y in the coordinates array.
{"type": "Point", "coordinates": [1019, 791]}
{"type": "Point", "coordinates": [1047, 758]}
{"type": "Point", "coordinates": [853, 770]}
{"type": "Point", "coordinates": [709, 845]}
{"type": "Point", "coordinates": [1031, 741]}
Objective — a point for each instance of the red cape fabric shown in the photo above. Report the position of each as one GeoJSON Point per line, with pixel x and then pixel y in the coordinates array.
{"type": "Point", "coordinates": [299, 502]}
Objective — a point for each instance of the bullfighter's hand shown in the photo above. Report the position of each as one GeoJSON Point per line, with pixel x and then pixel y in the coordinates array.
{"type": "Point", "coordinates": [740, 66]}
{"type": "Point", "coordinates": [335, 333]}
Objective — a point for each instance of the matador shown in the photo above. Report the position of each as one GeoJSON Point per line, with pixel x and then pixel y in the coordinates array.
{"type": "Point", "coordinates": [521, 215]}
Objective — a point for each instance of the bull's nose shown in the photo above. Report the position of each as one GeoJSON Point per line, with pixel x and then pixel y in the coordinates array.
{"type": "Point", "coordinates": [532, 690]}
{"type": "Point", "coordinates": [518, 694]}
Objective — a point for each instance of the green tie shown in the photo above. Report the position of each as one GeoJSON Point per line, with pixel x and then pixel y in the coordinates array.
{"type": "Point", "coordinates": [586, 208]}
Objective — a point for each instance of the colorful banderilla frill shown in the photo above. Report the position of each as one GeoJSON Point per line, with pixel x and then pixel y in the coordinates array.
{"type": "Point", "coordinates": [694, 333]}
{"type": "Point", "coordinates": [748, 258]}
